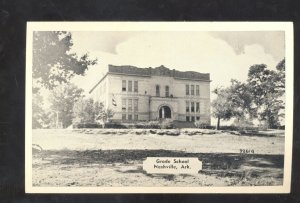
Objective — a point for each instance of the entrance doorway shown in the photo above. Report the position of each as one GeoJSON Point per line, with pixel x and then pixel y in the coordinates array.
{"type": "Point", "coordinates": [165, 112]}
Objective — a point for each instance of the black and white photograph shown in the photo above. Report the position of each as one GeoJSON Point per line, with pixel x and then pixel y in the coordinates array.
{"type": "Point", "coordinates": [159, 107]}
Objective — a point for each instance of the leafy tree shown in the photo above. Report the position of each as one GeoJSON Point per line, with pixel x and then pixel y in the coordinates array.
{"type": "Point", "coordinates": [53, 61]}
{"type": "Point", "coordinates": [62, 100]}
{"type": "Point", "coordinates": [260, 97]}
{"type": "Point", "coordinates": [233, 101]}
{"type": "Point", "coordinates": [104, 114]}
{"type": "Point", "coordinates": [223, 107]}
{"type": "Point", "coordinates": [267, 88]}
{"type": "Point", "coordinates": [85, 111]}
{"type": "Point", "coordinates": [242, 99]}
{"type": "Point", "coordinates": [40, 118]}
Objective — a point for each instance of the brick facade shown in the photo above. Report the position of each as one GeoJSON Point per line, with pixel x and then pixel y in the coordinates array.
{"type": "Point", "coordinates": [153, 93]}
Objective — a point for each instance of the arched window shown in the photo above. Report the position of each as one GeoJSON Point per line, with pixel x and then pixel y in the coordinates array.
{"type": "Point", "coordinates": [157, 90]}
{"type": "Point", "coordinates": [167, 91]}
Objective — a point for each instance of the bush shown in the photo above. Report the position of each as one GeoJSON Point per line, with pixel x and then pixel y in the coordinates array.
{"type": "Point", "coordinates": [87, 125]}
{"type": "Point", "coordinates": [244, 125]}
{"type": "Point", "coordinates": [230, 128]}
{"type": "Point", "coordinates": [202, 125]}
{"type": "Point", "coordinates": [166, 124]}
{"type": "Point", "coordinates": [163, 124]}
{"type": "Point", "coordinates": [115, 125]}
{"type": "Point", "coordinates": [154, 124]}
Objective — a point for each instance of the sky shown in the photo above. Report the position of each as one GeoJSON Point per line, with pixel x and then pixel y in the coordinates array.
{"type": "Point", "coordinates": [225, 55]}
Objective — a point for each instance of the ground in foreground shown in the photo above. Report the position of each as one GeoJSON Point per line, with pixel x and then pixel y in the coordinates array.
{"type": "Point", "coordinates": [72, 158]}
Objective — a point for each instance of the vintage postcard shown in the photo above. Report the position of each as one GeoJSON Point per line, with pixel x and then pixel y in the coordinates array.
{"type": "Point", "coordinates": [159, 107]}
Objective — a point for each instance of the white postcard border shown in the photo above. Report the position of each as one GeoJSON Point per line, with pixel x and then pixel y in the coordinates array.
{"type": "Point", "coordinates": [287, 27]}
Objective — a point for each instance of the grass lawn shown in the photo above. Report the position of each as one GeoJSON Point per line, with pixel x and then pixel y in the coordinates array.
{"type": "Point", "coordinates": [113, 157]}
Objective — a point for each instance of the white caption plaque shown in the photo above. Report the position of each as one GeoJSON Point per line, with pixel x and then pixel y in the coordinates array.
{"type": "Point", "coordinates": [172, 165]}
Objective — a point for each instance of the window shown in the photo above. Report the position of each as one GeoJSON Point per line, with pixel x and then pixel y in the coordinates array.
{"type": "Point", "coordinates": [129, 86]}
{"type": "Point", "coordinates": [167, 91]}
{"type": "Point", "coordinates": [198, 118]}
{"type": "Point", "coordinates": [197, 90]}
{"type": "Point", "coordinates": [123, 104]}
{"type": "Point", "coordinates": [157, 90]}
{"type": "Point", "coordinates": [136, 117]}
{"type": "Point", "coordinates": [188, 118]}
{"type": "Point", "coordinates": [135, 105]}
{"type": "Point", "coordinates": [187, 104]}
{"type": "Point", "coordinates": [130, 117]}
{"type": "Point", "coordinates": [124, 85]}
{"type": "Point", "coordinates": [136, 86]}
{"type": "Point", "coordinates": [197, 107]}
{"type": "Point", "coordinates": [187, 89]}
{"type": "Point", "coordinates": [192, 106]}
{"type": "Point", "coordinates": [192, 89]}
{"type": "Point", "coordinates": [123, 116]}
{"type": "Point", "coordinates": [129, 104]}
{"type": "Point", "coordinates": [193, 118]}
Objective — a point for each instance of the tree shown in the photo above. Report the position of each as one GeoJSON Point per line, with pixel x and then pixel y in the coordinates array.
{"type": "Point", "coordinates": [233, 101]}
{"type": "Point", "coordinates": [62, 100]}
{"type": "Point", "coordinates": [104, 115]}
{"type": "Point", "coordinates": [241, 98]}
{"type": "Point", "coordinates": [85, 111]}
{"type": "Point", "coordinates": [260, 97]}
{"type": "Point", "coordinates": [53, 62]}
{"type": "Point", "coordinates": [40, 118]}
{"type": "Point", "coordinates": [267, 88]}
{"type": "Point", "coordinates": [223, 107]}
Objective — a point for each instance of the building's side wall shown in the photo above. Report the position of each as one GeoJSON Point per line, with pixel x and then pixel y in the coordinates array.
{"type": "Point", "coordinates": [116, 93]}
{"type": "Point", "coordinates": [100, 93]}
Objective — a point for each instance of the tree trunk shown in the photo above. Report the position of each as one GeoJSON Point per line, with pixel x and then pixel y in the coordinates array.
{"type": "Point", "coordinates": [218, 124]}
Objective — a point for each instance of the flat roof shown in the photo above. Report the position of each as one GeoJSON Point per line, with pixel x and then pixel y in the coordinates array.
{"type": "Point", "coordinates": [157, 71]}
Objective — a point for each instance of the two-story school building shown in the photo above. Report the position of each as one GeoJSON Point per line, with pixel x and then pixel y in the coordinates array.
{"type": "Point", "coordinates": [139, 94]}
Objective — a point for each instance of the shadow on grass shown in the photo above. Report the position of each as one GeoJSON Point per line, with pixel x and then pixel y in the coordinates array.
{"type": "Point", "coordinates": [219, 164]}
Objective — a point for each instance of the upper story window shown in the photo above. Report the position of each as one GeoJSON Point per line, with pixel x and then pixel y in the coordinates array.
{"type": "Point", "coordinates": [197, 107]}
{"type": "Point", "coordinates": [197, 90]}
{"type": "Point", "coordinates": [167, 91]}
{"type": "Point", "coordinates": [192, 106]}
{"type": "Point", "coordinates": [124, 85]}
{"type": "Point", "coordinates": [136, 86]}
{"type": "Point", "coordinates": [135, 105]}
{"type": "Point", "coordinates": [157, 90]}
{"type": "Point", "coordinates": [129, 86]}
{"type": "Point", "coordinates": [129, 104]}
{"type": "Point", "coordinates": [192, 89]}
{"type": "Point", "coordinates": [187, 90]}
{"type": "Point", "coordinates": [187, 104]}
{"type": "Point", "coordinates": [123, 104]}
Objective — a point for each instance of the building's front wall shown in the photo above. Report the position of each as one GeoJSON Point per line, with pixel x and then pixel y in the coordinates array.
{"type": "Point", "coordinates": [148, 103]}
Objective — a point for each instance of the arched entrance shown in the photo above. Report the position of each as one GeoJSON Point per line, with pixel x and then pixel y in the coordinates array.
{"type": "Point", "coordinates": [165, 112]}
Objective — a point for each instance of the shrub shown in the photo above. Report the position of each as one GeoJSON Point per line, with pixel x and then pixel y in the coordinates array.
{"type": "Point", "coordinates": [144, 125]}
{"type": "Point", "coordinates": [115, 125]}
{"type": "Point", "coordinates": [244, 124]}
{"type": "Point", "coordinates": [202, 125]}
{"type": "Point", "coordinates": [87, 125]}
{"type": "Point", "coordinates": [154, 124]}
{"type": "Point", "coordinates": [166, 124]}
{"type": "Point", "coordinates": [230, 128]}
